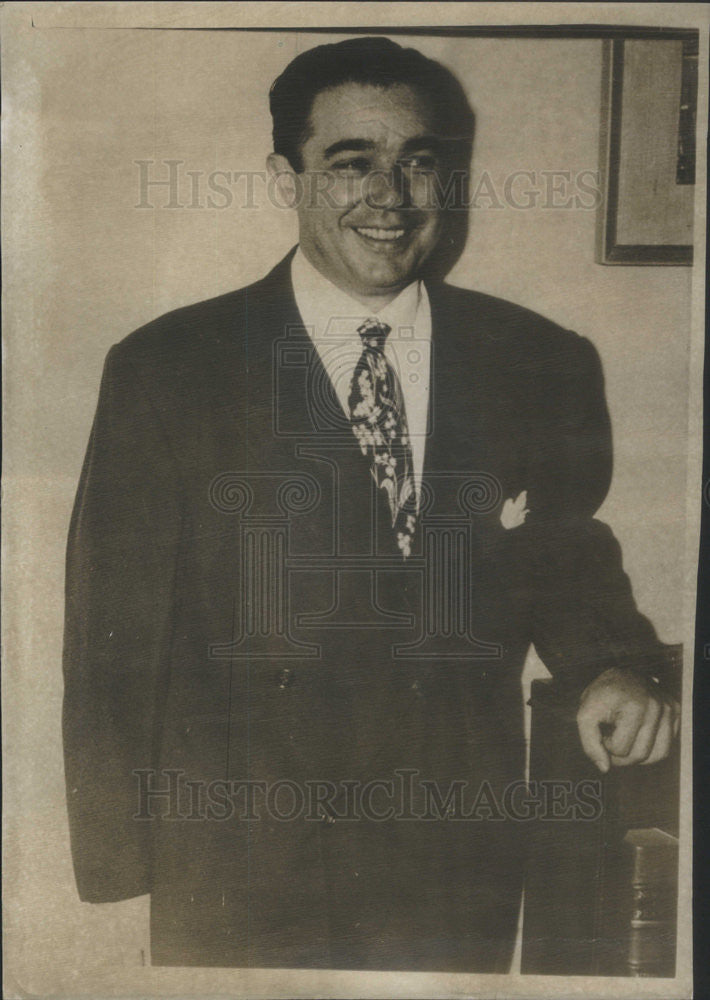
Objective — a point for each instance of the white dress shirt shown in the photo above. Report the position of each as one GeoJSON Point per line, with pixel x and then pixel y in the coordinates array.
{"type": "Point", "coordinates": [332, 317]}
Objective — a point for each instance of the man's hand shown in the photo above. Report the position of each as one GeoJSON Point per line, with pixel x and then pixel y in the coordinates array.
{"type": "Point", "coordinates": [624, 719]}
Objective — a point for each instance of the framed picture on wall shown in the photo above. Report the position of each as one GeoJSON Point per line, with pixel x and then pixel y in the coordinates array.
{"type": "Point", "coordinates": [648, 149]}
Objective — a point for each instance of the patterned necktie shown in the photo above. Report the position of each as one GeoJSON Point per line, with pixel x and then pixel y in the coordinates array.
{"type": "Point", "coordinates": [380, 426]}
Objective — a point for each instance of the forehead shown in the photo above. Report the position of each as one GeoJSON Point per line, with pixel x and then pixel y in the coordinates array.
{"type": "Point", "coordinates": [386, 115]}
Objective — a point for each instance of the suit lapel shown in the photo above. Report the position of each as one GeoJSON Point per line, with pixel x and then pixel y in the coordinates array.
{"type": "Point", "coordinates": [472, 430]}
{"type": "Point", "coordinates": [454, 404]}
{"type": "Point", "coordinates": [285, 366]}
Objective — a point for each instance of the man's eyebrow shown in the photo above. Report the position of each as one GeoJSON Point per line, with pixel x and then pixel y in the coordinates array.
{"type": "Point", "coordinates": [350, 144]}
{"type": "Point", "coordinates": [359, 145]}
{"type": "Point", "coordinates": [423, 142]}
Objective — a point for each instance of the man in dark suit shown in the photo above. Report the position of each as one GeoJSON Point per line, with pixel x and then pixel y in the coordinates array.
{"type": "Point", "coordinates": [320, 522]}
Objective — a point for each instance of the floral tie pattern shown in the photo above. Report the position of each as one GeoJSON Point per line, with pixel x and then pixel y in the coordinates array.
{"type": "Point", "coordinates": [380, 426]}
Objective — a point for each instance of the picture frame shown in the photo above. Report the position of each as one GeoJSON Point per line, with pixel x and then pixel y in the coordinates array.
{"type": "Point", "coordinates": [649, 99]}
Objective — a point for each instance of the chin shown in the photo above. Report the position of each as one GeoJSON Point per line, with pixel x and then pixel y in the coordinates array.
{"type": "Point", "coordinates": [383, 278]}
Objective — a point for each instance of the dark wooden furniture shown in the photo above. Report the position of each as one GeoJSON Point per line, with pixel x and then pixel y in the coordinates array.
{"type": "Point", "coordinates": [602, 878]}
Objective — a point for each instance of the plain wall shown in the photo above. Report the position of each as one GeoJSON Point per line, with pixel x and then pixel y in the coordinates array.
{"type": "Point", "coordinates": [93, 102]}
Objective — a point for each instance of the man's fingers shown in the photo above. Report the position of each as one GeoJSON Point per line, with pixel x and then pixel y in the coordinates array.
{"type": "Point", "coordinates": [627, 723]}
{"type": "Point", "coordinates": [622, 720]}
{"type": "Point", "coordinates": [664, 736]}
{"type": "Point", "coordinates": [591, 738]}
{"type": "Point", "coordinates": [645, 737]}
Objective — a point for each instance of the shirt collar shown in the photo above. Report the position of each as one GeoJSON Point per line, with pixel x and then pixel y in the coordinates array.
{"type": "Point", "coordinates": [328, 311]}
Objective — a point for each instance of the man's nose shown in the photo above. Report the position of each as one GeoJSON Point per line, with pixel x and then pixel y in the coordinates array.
{"type": "Point", "coordinates": [386, 189]}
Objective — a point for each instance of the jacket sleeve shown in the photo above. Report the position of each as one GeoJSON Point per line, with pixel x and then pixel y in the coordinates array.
{"type": "Point", "coordinates": [583, 615]}
{"type": "Point", "coordinates": [120, 572]}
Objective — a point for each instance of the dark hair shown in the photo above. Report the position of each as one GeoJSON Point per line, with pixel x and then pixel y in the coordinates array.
{"type": "Point", "coordinates": [378, 61]}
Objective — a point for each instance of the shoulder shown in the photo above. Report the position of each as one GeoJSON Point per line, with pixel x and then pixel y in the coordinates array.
{"type": "Point", "coordinates": [515, 335]}
{"type": "Point", "coordinates": [205, 328]}
{"type": "Point", "coordinates": [503, 321]}
{"type": "Point", "coordinates": [181, 331]}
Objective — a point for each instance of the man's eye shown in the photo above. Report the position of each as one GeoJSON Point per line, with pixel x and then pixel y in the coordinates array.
{"type": "Point", "coordinates": [358, 165]}
{"type": "Point", "coordinates": [420, 162]}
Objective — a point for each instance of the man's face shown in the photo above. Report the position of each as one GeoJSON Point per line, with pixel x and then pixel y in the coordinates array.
{"type": "Point", "coordinates": [367, 210]}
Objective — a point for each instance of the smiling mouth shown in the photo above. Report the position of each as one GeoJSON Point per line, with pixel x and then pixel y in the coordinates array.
{"type": "Point", "coordinates": [380, 235]}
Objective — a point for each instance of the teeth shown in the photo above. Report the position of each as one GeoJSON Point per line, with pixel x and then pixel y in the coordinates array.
{"type": "Point", "coordinates": [381, 234]}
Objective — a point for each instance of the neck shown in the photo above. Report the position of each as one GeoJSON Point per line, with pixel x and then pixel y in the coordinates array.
{"type": "Point", "coordinates": [374, 302]}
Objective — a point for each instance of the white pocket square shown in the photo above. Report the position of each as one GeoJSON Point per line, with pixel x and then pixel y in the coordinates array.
{"type": "Point", "coordinates": [515, 511]}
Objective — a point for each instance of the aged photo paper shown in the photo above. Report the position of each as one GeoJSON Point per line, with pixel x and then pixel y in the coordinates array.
{"type": "Point", "coordinates": [352, 486]}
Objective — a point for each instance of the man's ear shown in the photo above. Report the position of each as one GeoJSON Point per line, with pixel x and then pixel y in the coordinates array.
{"type": "Point", "coordinates": [285, 179]}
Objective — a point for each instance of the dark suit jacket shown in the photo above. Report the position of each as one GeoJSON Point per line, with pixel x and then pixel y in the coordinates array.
{"type": "Point", "coordinates": [237, 611]}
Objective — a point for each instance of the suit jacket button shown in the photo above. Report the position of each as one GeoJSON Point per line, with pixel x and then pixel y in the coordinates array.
{"type": "Point", "coordinates": [285, 678]}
